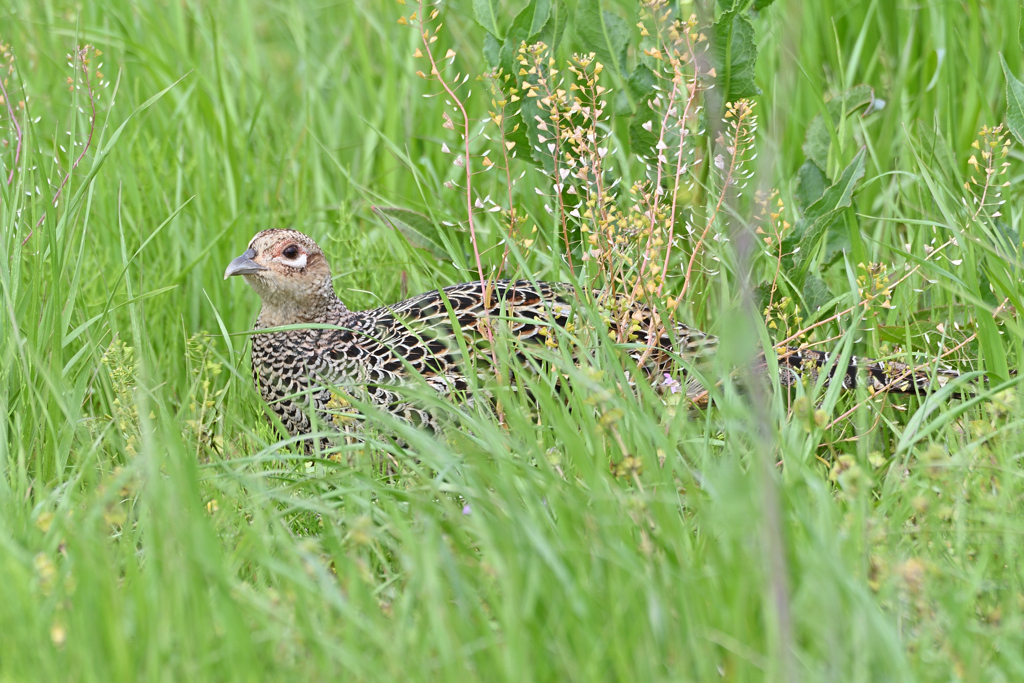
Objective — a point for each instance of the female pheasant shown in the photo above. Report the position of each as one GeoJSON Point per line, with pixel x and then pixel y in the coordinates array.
{"type": "Point", "coordinates": [370, 354]}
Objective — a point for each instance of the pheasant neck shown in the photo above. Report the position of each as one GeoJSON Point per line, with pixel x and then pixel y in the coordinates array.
{"type": "Point", "coordinates": [284, 308]}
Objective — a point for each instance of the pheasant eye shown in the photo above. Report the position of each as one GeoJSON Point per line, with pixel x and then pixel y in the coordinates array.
{"type": "Point", "coordinates": [291, 252]}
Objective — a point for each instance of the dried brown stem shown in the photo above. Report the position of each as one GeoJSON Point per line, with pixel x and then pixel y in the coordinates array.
{"type": "Point", "coordinates": [424, 36]}
{"type": "Point", "coordinates": [553, 115]}
{"type": "Point", "coordinates": [508, 183]}
{"type": "Point", "coordinates": [734, 159]}
{"type": "Point", "coordinates": [907, 373]}
{"type": "Point", "coordinates": [867, 300]}
{"type": "Point", "coordinates": [484, 325]}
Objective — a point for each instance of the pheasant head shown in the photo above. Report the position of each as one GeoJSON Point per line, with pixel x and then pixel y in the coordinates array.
{"type": "Point", "coordinates": [291, 276]}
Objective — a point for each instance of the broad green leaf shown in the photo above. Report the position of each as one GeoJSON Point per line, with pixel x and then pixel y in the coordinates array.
{"type": "Point", "coordinates": [838, 242]}
{"type": "Point", "coordinates": [528, 128]}
{"type": "Point", "coordinates": [1014, 102]}
{"type": "Point", "coordinates": [603, 33]}
{"type": "Point", "coordinates": [492, 50]}
{"type": "Point", "coordinates": [526, 137]}
{"type": "Point", "coordinates": [555, 28]}
{"type": "Point", "coordinates": [640, 83]}
{"type": "Point", "coordinates": [810, 185]}
{"type": "Point", "coordinates": [824, 212]}
{"type": "Point", "coordinates": [818, 138]}
{"type": "Point", "coordinates": [525, 28]}
{"type": "Point", "coordinates": [532, 18]}
{"type": "Point", "coordinates": [838, 196]}
{"type": "Point", "coordinates": [816, 293]}
{"type": "Point", "coordinates": [644, 129]}
{"type": "Point", "coordinates": [487, 12]}
{"type": "Point", "coordinates": [736, 5]}
{"type": "Point", "coordinates": [734, 55]}
{"type": "Point", "coordinates": [418, 229]}
{"type": "Point", "coordinates": [1020, 29]}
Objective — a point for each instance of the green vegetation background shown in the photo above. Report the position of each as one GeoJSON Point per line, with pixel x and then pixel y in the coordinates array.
{"type": "Point", "coordinates": [151, 530]}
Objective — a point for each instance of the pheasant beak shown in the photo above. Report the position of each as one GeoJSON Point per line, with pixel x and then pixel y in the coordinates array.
{"type": "Point", "coordinates": [244, 265]}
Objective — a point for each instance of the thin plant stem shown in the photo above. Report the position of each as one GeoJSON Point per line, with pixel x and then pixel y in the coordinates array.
{"type": "Point", "coordinates": [17, 130]}
{"type": "Point", "coordinates": [81, 56]}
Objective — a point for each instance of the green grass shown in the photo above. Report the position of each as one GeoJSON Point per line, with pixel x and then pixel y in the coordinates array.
{"type": "Point", "coordinates": [152, 527]}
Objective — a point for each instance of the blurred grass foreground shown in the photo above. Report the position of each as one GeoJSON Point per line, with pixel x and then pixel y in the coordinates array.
{"type": "Point", "coordinates": [842, 173]}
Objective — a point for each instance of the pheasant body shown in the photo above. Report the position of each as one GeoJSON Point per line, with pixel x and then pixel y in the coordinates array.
{"type": "Point", "coordinates": [370, 354]}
